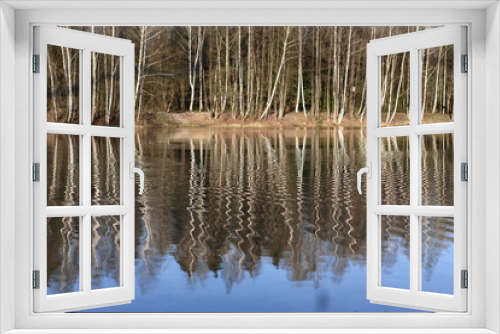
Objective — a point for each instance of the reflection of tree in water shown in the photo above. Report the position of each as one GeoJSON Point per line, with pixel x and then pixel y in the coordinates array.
{"type": "Point", "coordinates": [62, 254]}
{"type": "Point", "coordinates": [437, 236]}
{"type": "Point", "coordinates": [222, 201]}
{"type": "Point", "coordinates": [395, 232]}
{"type": "Point", "coordinates": [105, 252]}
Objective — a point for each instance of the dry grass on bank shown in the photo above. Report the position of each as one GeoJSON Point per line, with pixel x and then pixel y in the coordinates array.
{"type": "Point", "coordinates": [201, 119]}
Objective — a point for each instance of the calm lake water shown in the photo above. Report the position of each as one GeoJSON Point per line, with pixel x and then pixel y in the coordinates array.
{"type": "Point", "coordinates": [252, 220]}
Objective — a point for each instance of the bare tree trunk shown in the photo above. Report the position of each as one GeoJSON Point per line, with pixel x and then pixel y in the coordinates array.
{"type": "Point", "coordinates": [328, 81]}
{"type": "Point", "coordinates": [199, 53]}
{"type": "Point", "coordinates": [218, 43]}
{"type": "Point", "coordinates": [142, 32]}
{"type": "Point", "coordinates": [393, 68]}
{"type": "Point", "coordinates": [424, 90]}
{"type": "Point", "coordinates": [193, 64]}
{"type": "Point", "coordinates": [191, 74]}
{"type": "Point", "coordinates": [52, 86]}
{"type": "Point", "coordinates": [106, 86]}
{"type": "Point", "coordinates": [271, 65]}
{"type": "Point", "coordinates": [317, 93]}
{"type": "Point", "coordinates": [282, 63]}
{"type": "Point", "coordinates": [443, 107]}
{"type": "Point", "coordinates": [386, 75]}
{"type": "Point", "coordinates": [94, 80]}
{"type": "Point", "coordinates": [68, 73]}
{"type": "Point", "coordinates": [224, 101]}
{"type": "Point", "coordinates": [283, 90]}
{"type": "Point", "coordinates": [362, 107]}
{"type": "Point", "coordinates": [436, 88]}
{"type": "Point", "coordinates": [240, 74]}
{"type": "Point", "coordinates": [249, 72]}
{"type": "Point", "coordinates": [336, 77]}
{"type": "Point", "coordinates": [401, 75]}
{"type": "Point", "coordinates": [112, 85]}
{"type": "Point", "coordinates": [300, 79]}
{"type": "Point", "coordinates": [142, 77]}
{"type": "Point", "coordinates": [342, 111]}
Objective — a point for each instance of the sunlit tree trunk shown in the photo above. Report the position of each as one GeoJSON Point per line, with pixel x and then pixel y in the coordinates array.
{"type": "Point", "coordinates": [224, 100]}
{"type": "Point", "coordinates": [436, 87]}
{"type": "Point", "coordinates": [52, 86]}
{"type": "Point", "coordinates": [249, 73]}
{"type": "Point", "coordinates": [270, 64]}
{"type": "Point", "coordinates": [240, 74]}
{"type": "Point", "coordinates": [336, 76]}
{"type": "Point", "coordinates": [140, 62]}
{"type": "Point", "coordinates": [328, 81]}
{"type": "Point", "coordinates": [68, 73]}
{"type": "Point", "coordinates": [112, 84]}
{"type": "Point", "coordinates": [342, 111]}
{"type": "Point", "coordinates": [386, 75]}
{"type": "Point", "coordinates": [399, 88]}
{"type": "Point", "coordinates": [443, 107]}
{"type": "Point", "coordinates": [142, 65]}
{"type": "Point", "coordinates": [300, 79]}
{"type": "Point", "coordinates": [282, 63]}
{"type": "Point", "coordinates": [200, 75]}
{"type": "Point", "coordinates": [218, 43]}
{"type": "Point", "coordinates": [94, 80]}
{"type": "Point", "coordinates": [425, 52]}
{"type": "Point", "coordinates": [391, 81]}
{"type": "Point", "coordinates": [317, 76]}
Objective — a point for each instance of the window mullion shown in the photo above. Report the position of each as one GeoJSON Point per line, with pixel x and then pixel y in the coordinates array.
{"type": "Point", "coordinates": [414, 171]}
{"type": "Point", "coordinates": [86, 179]}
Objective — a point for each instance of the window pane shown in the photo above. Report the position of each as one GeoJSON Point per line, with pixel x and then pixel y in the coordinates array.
{"type": "Point", "coordinates": [105, 171]}
{"type": "Point", "coordinates": [437, 254]}
{"type": "Point", "coordinates": [437, 169]}
{"type": "Point", "coordinates": [63, 255]}
{"type": "Point", "coordinates": [395, 170]}
{"type": "Point", "coordinates": [105, 252]}
{"type": "Point", "coordinates": [437, 84]}
{"type": "Point", "coordinates": [395, 253]}
{"type": "Point", "coordinates": [63, 84]}
{"type": "Point", "coordinates": [105, 89]}
{"type": "Point", "coordinates": [63, 170]}
{"type": "Point", "coordinates": [395, 89]}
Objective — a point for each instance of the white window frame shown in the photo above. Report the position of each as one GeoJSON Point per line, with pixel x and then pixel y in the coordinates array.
{"type": "Point", "coordinates": [483, 49]}
{"type": "Point", "coordinates": [413, 43]}
{"type": "Point", "coordinates": [86, 43]}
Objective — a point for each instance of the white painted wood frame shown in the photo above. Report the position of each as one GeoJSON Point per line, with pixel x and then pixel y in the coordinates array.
{"type": "Point", "coordinates": [483, 100]}
{"type": "Point", "coordinates": [87, 43]}
{"type": "Point", "coordinates": [415, 297]}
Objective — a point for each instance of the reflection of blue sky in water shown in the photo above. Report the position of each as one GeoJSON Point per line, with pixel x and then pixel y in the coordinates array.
{"type": "Point", "coordinates": [257, 220]}
{"type": "Point", "coordinates": [270, 291]}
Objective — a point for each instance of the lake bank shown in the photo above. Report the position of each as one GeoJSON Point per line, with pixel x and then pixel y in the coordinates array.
{"type": "Point", "coordinates": [202, 119]}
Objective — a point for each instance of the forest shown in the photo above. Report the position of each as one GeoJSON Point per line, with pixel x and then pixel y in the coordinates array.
{"type": "Point", "coordinates": [254, 73]}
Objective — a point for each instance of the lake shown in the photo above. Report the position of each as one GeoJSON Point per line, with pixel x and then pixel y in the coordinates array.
{"type": "Point", "coordinates": [251, 220]}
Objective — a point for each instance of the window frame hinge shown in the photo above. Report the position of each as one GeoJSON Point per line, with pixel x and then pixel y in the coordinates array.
{"type": "Point", "coordinates": [464, 171]}
{"type": "Point", "coordinates": [36, 279]}
{"type": "Point", "coordinates": [36, 172]}
{"type": "Point", "coordinates": [36, 63]}
{"type": "Point", "coordinates": [464, 279]}
{"type": "Point", "coordinates": [464, 64]}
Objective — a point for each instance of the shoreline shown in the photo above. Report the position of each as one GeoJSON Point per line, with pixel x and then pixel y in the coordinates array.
{"type": "Point", "coordinates": [292, 119]}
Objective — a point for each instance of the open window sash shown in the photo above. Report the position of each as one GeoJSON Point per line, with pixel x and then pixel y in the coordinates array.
{"type": "Point", "coordinates": [414, 297]}
{"type": "Point", "coordinates": [84, 295]}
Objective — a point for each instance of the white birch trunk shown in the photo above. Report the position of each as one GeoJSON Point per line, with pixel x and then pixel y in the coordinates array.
{"type": "Point", "coordinates": [342, 111]}
{"type": "Point", "coordinates": [270, 100]}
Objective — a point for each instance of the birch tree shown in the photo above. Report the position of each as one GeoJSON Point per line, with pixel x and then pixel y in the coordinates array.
{"type": "Point", "coordinates": [283, 57]}
{"type": "Point", "coordinates": [342, 111]}
{"type": "Point", "coordinates": [300, 79]}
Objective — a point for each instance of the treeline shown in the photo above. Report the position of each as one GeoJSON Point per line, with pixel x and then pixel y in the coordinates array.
{"type": "Point", "coordinates": [261, 72]}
